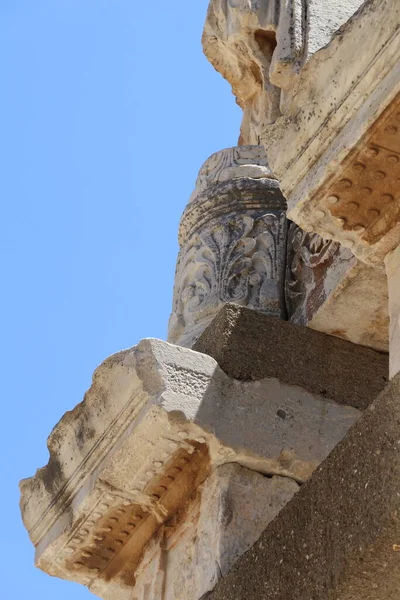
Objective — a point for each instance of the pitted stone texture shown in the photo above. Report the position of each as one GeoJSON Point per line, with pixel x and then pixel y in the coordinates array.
{"type": "Point", "coordinates": [261, 46]}
{"type": "Point", "coordinates": [361, 200]}
{"type": "Point", "coordinates": [231, 510]}
{"type": "Point", "coordinates": [335, 149]}
{"type": "Point", "coordinates": [250, 346]}
{"type": "Point", "coordinates": [156, 421]}
{"type": "Point", "coordinates": [232, 241]}
{"type": "Point", "coordinates": [338, 539]}
{"type": "Point", "coordinates": [326, 286]}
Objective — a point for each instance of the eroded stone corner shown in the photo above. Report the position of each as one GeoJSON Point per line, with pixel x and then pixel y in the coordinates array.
{"type": "Point", "coordinates": [127, 465]}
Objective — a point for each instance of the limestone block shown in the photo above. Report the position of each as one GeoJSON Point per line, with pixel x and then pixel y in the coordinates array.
{"type": "Point", "coordinates": [231, 510]}
{"type": "Point", "coordinates": [357, 309]}
{"type": "Point", "coordinates": [251, 346]}
{"type": "Point", "coordinates": [330, 125]}
{"type": "Point", "coordinates": [326, 286]}
{"type": "Point", "coordinates": [232, 241]}
{"type": "Point", "coordinates": [335, 150]}
{"type": "Point", "coordinates": [156, 422]}
{"type": "Point", "coordinates": [261, 46]}
{"type": "Point", "coordinates": [338, 539]}
{"type": "Point", "coordinates": [393, 275]}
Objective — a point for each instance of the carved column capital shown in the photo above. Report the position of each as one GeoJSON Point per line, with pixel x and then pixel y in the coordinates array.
{"type": "Point", "coordinates": [232, 241]}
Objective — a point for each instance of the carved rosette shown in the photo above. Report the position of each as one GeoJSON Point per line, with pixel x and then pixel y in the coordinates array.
{"type": "Point", "coordinates": [232, 243]}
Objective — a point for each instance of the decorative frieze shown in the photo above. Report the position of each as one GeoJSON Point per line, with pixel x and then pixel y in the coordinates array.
{"type": "Point", "coordinates": [232, 243]}
{"type": "Point", "coordinates": [231, 510]}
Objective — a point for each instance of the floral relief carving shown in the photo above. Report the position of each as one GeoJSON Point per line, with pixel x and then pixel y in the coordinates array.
{"type": "Point", "coordinates": [234, 259]}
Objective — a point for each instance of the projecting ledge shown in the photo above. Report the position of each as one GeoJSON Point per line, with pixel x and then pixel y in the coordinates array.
{"type": "Point", "coordinates": [135, 464]}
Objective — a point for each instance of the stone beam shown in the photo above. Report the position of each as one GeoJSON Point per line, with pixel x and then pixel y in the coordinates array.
{"type": "Point", "coordinates": [339, 538]}
{"type": "Point", "coordinates": [134, 467]}
{"type": "Point", "coordinates": [331, 129]}
{"type": "Point", "coordinates": [250, 346]}
{"type": "Point", "coordinates": [225, 519]}
{"type": "Point", "coordinates": [393, 274]}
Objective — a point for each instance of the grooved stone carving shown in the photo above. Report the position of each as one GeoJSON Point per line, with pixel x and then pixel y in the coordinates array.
{"type": "Point", "coordinates": [232, 243]}
{"type": "Point", "coordinates": [260, 46]}
{"type": "Point", "coordinates": [157, 424]}
{"type": "Point", "coordinates": [335, 146]}
{"type": "Point", "coordinates": [231, 510]}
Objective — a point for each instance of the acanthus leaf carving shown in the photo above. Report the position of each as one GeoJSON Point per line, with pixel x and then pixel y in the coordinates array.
{"type": "Point", "coordinates": [237, 258]}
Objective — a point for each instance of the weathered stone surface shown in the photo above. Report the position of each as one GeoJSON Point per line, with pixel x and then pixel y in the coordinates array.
{"type": "Point", "coordinates": [232, 241]}
{"type": "Point", "coordinates": [326, 286]}
{"type": "Point", "coordinates": [358, 204]}
{"type": "Point", "coordinates": [314, 268]}
{"type": "Point", "coordinates": [357, 309]}
{"type": "Point", "coordinates": [251, 346]}
{"type": "Point", "coordinates": [335, 150]}
{"type": "Point", "coordinates": [232, 508]}
{"type": "Point", "coordinates": [156, 421]}
{"type": "Point", "coordinates": [260, 48]}
{"type": "Point", "coordinates": [234, 246]}
{"type": "Point", "coordinates": [393, 275]}
{"type": "Point", "coordinates": [339, 538]}
{"type": "Point", "coordinates": [335, 147]}
{"type": "Point", "coordinates": [232, 163]}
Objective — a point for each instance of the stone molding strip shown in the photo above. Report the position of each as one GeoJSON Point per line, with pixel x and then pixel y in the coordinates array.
{"type": "Point", "coordinates": [242, 194]}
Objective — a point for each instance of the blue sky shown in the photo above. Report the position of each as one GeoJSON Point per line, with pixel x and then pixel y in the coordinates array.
{"type": "Point", "coordinates": [107, 111]}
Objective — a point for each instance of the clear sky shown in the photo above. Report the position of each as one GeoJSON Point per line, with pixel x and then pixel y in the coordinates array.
{"type": "Point", "coordinates": [107, 111]}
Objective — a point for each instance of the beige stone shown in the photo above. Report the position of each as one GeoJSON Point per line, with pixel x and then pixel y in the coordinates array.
{"type": "Point", "coordinates": [333, 141]}
{"type": "Point", "coordinates": [335, 150]}
{"type": "Point", "coordinates": [357, 309]}
{"type": "Point", "coordinates": [260, 47]}
{"type": "Point", "coordinates": [156, 422]}
{"type": "Point", "coordinates": [231, 510]}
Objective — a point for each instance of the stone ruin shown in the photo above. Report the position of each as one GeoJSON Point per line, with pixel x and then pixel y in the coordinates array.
{"type": "Point", "coordinates": [256, 454]}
